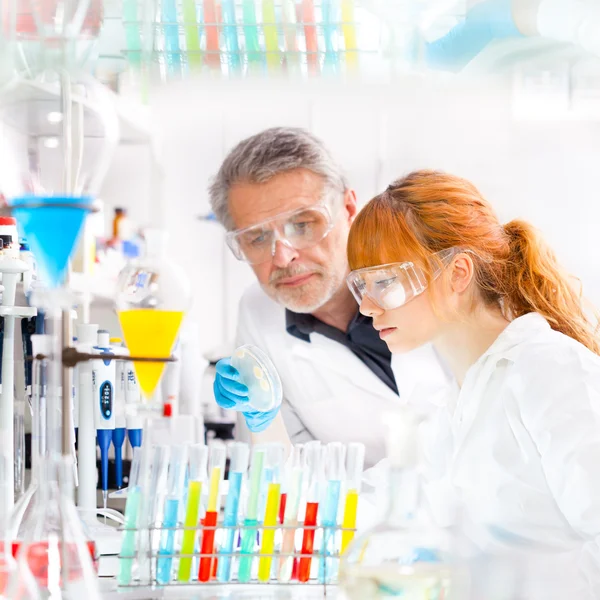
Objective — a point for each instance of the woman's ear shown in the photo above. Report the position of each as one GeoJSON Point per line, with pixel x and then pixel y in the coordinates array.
{"type": "Point", "coordinates": [462, 272]}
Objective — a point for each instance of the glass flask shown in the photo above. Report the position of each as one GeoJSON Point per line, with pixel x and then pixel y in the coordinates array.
{"type": "Point", "coordinates": [153, 295]}
{"type": "Point", "coordinates": [54, 558]}
{"type": "Point", "coordinates": [404, 555]}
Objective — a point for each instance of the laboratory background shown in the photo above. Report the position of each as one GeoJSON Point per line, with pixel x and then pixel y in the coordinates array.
{"type": "Point", "coordinates": [115, 117]}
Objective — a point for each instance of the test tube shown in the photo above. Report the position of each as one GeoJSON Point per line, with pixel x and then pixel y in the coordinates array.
{"type": "Point", "coordinates": [328, 15]}
{"type": "Point", "coordinates": [251, 520]}
{"type": "Point", "coordinates": [192, 33]}
{"type": "Point", "coordinates": [289, 31]}
{"type": "Point", "coordinates": [134, 495]}
{"type": "Point", "coordinates": [270, 33]}
{"type": "Point", "coordinates": [229, 29]}
{"type": "Point", "coordinates": [349, 31]}
{"type": "Point", "coordinates": [355, 461]}
{"type": "Point", "coordinates": [294, 476]}
{"type": "Point", "coordinates": [213, 56]}
{"type": "Point", "coordinates": [335, 475]}
{"type": "Point", "coordinates": [310, 33]}
{"type": "Point", "coordinates": [275, 461]}
{"type": "Point", "coordinates": [313, 459]}
{"type": "Point", "coordinates": [177, 470]}
{"type": "Point", "coordinates": [251, 33]}
{"type": "Point", "coordinates": [171, 35]}
{"type": "Point", "coordinates": [238, 466]}
{"type": "Point", "coordinates": [216, 465]}
{"type": "Point", "coordinates": [197, 464]}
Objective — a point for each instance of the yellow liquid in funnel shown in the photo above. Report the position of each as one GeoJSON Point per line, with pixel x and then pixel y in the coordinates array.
{"type": "Point", "coordinates": [150, 333]}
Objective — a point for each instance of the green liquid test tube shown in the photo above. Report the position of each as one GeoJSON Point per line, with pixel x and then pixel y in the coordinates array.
{"type": "Point", "coordinates": [189, 535]}
{"type": "Point", "coordinates": [192, 34]}
{"type": "Point", "coordinates": [134, 496]}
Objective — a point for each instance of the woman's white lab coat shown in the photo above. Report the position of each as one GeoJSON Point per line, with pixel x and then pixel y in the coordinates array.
{"type": "Point", "coordinates": [523, 457]}
{"type": "Point", "coordinates": [329, 393]}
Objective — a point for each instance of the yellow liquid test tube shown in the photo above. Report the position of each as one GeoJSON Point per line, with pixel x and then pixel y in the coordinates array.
{"type": "Point", "coordinates": [268, 540]}
{"type": "Point", "coordinates": [349, 31]}
{"type": "Point", "coordinates": [349, 518]}
{"type": "Point", "coordinates": [271, 38]}
{"type": "Point", "coordinates": [189, 535]}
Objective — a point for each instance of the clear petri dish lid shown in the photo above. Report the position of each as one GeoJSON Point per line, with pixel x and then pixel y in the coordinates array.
{"type": "Point", "coordinates": [259, 375]}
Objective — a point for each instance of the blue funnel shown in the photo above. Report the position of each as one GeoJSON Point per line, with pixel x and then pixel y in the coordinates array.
{"type": "Point", "coordinates": [52, 232]}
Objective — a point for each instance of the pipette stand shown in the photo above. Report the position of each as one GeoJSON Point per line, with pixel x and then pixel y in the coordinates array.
{"type": "Point", "coordinates": [12, 270]}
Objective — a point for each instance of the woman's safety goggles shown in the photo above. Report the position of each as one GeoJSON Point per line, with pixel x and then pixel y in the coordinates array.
{"type": "Point", "coordinates": [298, 229]}
{"type": "Point", "coordinates": [393, 285]}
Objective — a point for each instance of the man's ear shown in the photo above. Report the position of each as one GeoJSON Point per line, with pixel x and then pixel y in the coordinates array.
{"type": "Point", "coordinates": [350, 205]}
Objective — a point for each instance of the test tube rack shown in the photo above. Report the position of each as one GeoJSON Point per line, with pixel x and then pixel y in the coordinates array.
{"type": "Point", "coordinates": [323, 566]}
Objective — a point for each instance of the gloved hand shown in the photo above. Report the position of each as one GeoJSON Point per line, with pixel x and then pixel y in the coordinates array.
{"type": "Point", "coordinates": [485, 22]}
{"type": "Point", "coordinates": [232, 394]}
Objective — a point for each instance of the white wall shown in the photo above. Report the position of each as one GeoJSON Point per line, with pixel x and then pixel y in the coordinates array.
{"type": "Point", "coordinates": [544, 171]}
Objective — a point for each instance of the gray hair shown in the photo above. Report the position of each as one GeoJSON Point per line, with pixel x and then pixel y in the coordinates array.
{"type": "Point", "coordinates": [267, 154]}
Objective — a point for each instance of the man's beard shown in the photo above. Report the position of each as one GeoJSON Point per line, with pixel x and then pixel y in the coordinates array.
{"type": "Point", "coordinates": [305, 298]}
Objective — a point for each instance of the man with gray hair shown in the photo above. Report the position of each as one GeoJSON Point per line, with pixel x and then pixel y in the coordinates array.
{"type": "Point", "coordinates": [287, 208]}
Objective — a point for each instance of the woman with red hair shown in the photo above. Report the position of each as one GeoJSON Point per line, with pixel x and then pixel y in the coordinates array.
{"type": "Point", "coordinates": [432, 263]}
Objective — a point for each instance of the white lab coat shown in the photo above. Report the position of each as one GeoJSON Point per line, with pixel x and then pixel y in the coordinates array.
{"type": "Point", "coordinates": [524, 458]}
{"type": "Point", "coordinates": [329, 393]}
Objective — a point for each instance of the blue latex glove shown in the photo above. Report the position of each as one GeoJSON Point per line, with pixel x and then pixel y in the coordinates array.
{"type": "Point", "coordinates": [485, 22]}
{"type": "Point", "coordinates": [232, 394]}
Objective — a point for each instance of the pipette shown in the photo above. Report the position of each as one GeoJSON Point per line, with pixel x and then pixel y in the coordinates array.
{"type": "Point", "coordinates": [294, 476]}
{"type": "Point", "coordinates": [198, 463]}
{"type": "Point", "coordinates": [238, 466]}
{"type": "Point", "coordinates": [335, 476]}
{"type": "Point", "coordinates": [119, 432]}
{"type": "Point", "coordinates": [177, 470]}
{"type": "Point", "coordinates": [87, 339]}
{"type": "Point", "coordinates": [216, 462]}
{"type": "Point", "coordinates": [134, 495]}
{"type": "Point", "coordinates": [355, 460]}
{"type": "Point", "coordinates": [251, 520]}
{"type": "Point", "coordinates": [103, 382]}
{"type": "Point", "coordinates": [313, 459]}
{"type": "Point", "coordinates": [275, 462]}
{"type": "Point", "coordinates": [133, 398]}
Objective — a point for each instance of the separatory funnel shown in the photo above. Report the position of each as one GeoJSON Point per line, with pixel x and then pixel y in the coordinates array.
{"type": "Point", "coordinates": [153, 296]}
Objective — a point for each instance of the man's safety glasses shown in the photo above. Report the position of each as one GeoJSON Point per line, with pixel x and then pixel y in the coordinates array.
{"type": "Point", "coordinates": [393, 285]}
{"type": "Point", "coordinates": [298, 229]}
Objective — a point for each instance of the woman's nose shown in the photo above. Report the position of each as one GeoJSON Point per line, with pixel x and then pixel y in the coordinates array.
{"type": "Point", "coordinates": [369, 308]}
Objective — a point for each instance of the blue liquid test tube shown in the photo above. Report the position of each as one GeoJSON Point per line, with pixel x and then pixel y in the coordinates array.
{"type": "Point", "coordinates": [229, 28]}
{"type": "Point", "coordinates": [335, 475]}
{"type": "Point", "coordinates": [177, 470]}
{"type": "Point", "coordinates": [237, 469]}
{"type": "Point", "coordinates": [328, 10]}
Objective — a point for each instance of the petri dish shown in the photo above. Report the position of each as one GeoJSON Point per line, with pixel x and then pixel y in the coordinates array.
{"type": "Point", "coordinates": [258, 373]}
